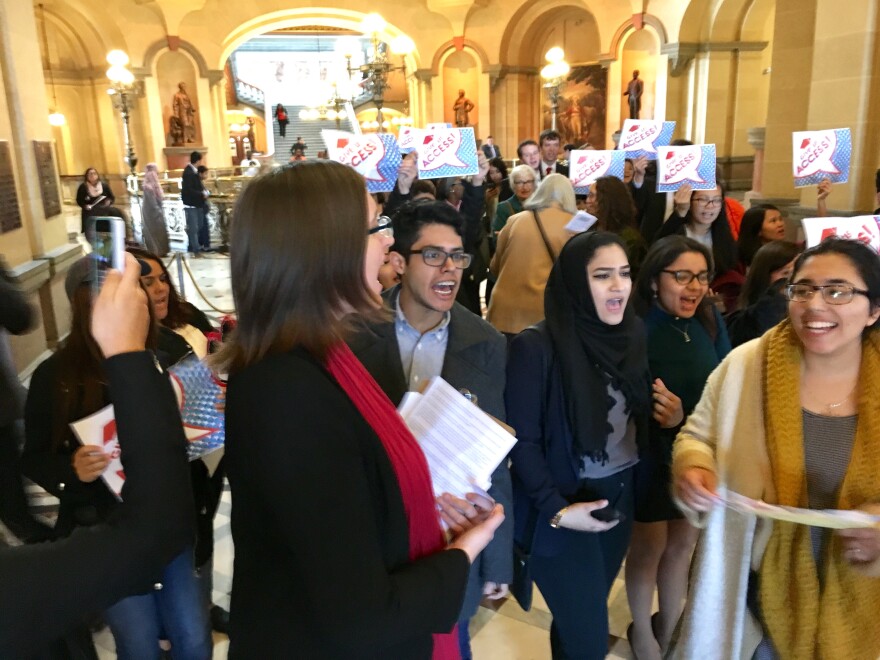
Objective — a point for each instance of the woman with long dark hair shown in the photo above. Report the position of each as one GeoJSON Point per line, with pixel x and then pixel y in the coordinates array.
{"type": "Point", "coordinates": [329, 488]}
{"type": "Point", "coordinates": [760, 225]}
{"type": "Point", "coordinates": [579, 396]}
{"type": "Point", "coordinates": [610, 201]}
{"type": "Point", "coordinates": [790, 419]}
{"type": "Point", "coordinates": [702, 216]}
{"type": "Point", "coordinates": [686, 341]}
{"type": "Point", "coordinates": [66, 387]}
{"type": "Point", "coordinates": [95, 197]}
{"type": "Point", "coordinates": [762, 302]}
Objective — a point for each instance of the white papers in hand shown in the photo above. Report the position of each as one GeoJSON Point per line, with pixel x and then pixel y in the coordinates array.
{"type": "Point", "coordinates": [99, 429]}
{"type": "Point", "coordinates": [463, 445]}
{"type": "Point", "coordinates": [581, 222]}
{"type": "Point", "coordinates": [828, 518]}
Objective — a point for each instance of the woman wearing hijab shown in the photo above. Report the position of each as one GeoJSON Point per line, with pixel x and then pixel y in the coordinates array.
{"type": "Point", "coordinates": [154, 229]}
{"type": "Point", "coordinates": [578, 436]}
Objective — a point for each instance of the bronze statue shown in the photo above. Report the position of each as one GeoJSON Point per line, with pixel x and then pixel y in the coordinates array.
{"type": "Point", "coordinates": [461, 108]}
{"type": "Point", "coordinates": [634, 91]}
{"type": "Point", "coordinates": [184, 112]}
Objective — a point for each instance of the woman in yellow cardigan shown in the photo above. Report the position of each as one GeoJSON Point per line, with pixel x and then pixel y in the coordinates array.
{"type": "Point", "coordinates": [790, 418]}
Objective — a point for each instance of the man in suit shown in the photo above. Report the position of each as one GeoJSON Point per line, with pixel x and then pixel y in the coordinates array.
{"type": "Point", "coordinates": [432, 335]}
{"type": "Point", "coordinates": [490, 150]}
{"type": "Point", "coordinates": [192, 194]}
{"type": "Point", "coordinates": [529, 153]}
{"type": "Point", "coordinates": [549, 142]}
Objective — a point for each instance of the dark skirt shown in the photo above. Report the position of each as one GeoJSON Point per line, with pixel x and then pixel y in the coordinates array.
{"type": "Point", "coordinates": [653, 480]}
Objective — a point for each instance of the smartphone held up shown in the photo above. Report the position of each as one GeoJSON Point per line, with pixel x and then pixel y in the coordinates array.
{"type": "Point", "coordinates": [107, 238]}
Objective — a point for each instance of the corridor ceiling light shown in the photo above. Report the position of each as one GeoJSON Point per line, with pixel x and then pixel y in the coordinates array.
{"type": "Point", "coordinates": [57, 119]}
{"type": "Point", "coordinates": [555, 54]}
{"type": "Point", "coordinates": [117, 58]}
{"type": "Point", "coordinates": [119, 75]}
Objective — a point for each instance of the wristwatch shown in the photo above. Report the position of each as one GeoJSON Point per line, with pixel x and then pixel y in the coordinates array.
{"type": "Point", "coordinates": [554, 521]}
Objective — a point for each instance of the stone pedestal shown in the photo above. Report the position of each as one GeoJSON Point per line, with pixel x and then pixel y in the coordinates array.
{"type": "Point", "coordinates": [176, 158]}
{"type": "Point", "coordinates": [756, 141]}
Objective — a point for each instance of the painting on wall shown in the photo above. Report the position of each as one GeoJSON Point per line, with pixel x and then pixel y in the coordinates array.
{"type": "Point", "coordinates": [580, 118]}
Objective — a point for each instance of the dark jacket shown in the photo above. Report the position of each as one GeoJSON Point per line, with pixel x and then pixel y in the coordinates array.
{"type": "Point", "coordinates": [752, 322]}
{"type": "Point", "coordinates": [16, 317]}
{"type": "Point", "coordinates": [192, 191]}
{"type": "Point", "coordinates": [207, 488]}
{"type": "Point", "coordinates": [80, 503]}
{"type": "Point", "coordinates": [320, 533]}
{"type": "Point", "coordinates": [83, 198]}
{"type": "Point", "coordinates": [543, 464]}
{"type": "Point", "coordinates": [475, 360]}
{"type": "Point", "coordinates": [47, 588]}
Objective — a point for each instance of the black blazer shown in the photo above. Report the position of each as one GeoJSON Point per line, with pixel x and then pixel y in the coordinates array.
{"type": "Point", "coordinates": [475, 360]}
{"type": "Point", "coordinates": [487, 151]}
{"type": "Point", "coordinates": [321, 538]}
{"type": "Point", "coordinates": [191, 188]}
{"type": "Point", "coordinates": [49, 587]}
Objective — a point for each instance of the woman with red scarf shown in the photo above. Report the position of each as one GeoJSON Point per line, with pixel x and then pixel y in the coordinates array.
{"type": "Point", "coordinates": [339, 551]}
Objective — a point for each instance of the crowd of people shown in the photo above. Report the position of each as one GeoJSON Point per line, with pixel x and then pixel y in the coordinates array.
{"type": "Point", "coordinates": [679, 349]}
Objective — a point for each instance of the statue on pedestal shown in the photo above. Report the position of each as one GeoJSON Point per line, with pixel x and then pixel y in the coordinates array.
{"type": "Point", "coordinates": [183, 121]}
{"type": "Point", "coordinates": [461, 108]}
{"type": "Point", "coordinates": [634, 91]}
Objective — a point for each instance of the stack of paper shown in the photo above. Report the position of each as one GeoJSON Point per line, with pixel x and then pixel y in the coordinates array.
{"type": "Point", "coordinates": [463, 444]}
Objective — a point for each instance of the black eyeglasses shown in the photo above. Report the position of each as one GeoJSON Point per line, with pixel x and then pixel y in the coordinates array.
{"type": "Point", "coordinates": [383, 227]}
{"type": "Point", "coordinates": [709, 201]}
{"type": "Point", "coordinates": [437, 258]}
{"type": "Point", "coordinates": [687, 276]}
{"type": "Point", "coordinates": [833, 294]}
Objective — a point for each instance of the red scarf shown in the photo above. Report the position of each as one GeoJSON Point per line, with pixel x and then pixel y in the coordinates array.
{"type": "Point", "coordinates": [408, 461]}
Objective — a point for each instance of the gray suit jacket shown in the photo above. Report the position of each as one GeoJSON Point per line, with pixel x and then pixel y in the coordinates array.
{"type": "Point", "coordinates": [476, 356]}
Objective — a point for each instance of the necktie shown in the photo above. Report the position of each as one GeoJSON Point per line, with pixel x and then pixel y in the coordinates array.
{"type": "Point", "coordinates": [549, 170]}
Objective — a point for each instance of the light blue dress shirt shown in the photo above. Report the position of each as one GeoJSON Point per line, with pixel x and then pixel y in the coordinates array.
{"type": "Point", "coordinates": [421, 355]}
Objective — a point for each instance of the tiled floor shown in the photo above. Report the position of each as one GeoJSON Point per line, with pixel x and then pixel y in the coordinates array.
{"type": "Point", "coordinates": [507, 633]}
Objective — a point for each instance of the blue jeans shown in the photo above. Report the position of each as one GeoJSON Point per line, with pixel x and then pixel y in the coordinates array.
{"type": "Point", "coordinates": [193, 220]}
{"type": "Point", "coordinates": [177, 611]}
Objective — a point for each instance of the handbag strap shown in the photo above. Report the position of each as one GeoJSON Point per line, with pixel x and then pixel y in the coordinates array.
{"type": "Point", "coordinates": [544, 236]}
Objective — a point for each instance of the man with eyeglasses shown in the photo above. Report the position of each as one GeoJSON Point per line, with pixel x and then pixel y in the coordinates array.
{"type": "Point", "coordinates": [432, 335]}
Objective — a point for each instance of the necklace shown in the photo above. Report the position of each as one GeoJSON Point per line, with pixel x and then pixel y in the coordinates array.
{"type": "Point", "coordinates": [834, 406]}
{"type": "Point", "coordinates": [684, 333]}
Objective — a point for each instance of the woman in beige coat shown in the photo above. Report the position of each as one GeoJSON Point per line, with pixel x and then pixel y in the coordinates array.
{"type": "Point", "coordinates": [527, 247]}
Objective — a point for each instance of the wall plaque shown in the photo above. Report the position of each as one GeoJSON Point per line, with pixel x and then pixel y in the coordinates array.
{"type": "Point", "coordinates": [10, 217]}
{"type": "Point", "coordinates": [45, 157]}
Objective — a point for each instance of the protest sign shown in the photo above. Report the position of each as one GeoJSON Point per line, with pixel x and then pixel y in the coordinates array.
{"type": "Point", "coordinates": [694, 165]}
{"type": "Point", "coordinates": [819, 155]}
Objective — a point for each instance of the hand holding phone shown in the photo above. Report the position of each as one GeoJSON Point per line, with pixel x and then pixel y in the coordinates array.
{"type": "Point", "coordinates": [107, 238]}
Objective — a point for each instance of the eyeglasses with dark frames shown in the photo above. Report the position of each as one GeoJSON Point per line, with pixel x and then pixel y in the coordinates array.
{"type": "Point", "coordinates": [383, 227]}
{"type": "Point", "coordinates": [833, 294]}
{"type": "Point", "coordinates": [709, 201]}
{"type": "Point", "coordinates": [437, 258]}
{"type": "Point", "coordinates": [687, 276]}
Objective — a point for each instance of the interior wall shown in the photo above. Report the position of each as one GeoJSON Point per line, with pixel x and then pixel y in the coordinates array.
{"type": "Point", "coordinates": [576, 32]}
